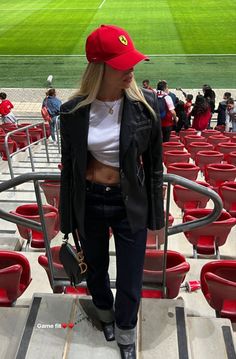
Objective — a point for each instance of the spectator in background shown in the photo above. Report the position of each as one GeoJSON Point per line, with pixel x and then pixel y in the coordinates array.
{"type": "Point", "coordinates": [182, 116]}
{"type": "Point", "coordinates": [5, 109]}
{"type": "Point", "coordinates": [170, 93]}
{"type": "Point", "coordinates": [230, 122]}
{"type": "Point", "coordinates": [53, 105]}
{"type": "Point", "coordinates": [146, 85]}
{"type": "Point", "coordinates": [188, 107]}
{"type": "Point", "coordinates": [210, 96]}
{"type": "Point", "coordinates": [188, 104]}
{"type": "Point", "coordinates": [201, 113]}
{"type": "Point", "coordinates": [167, 110]}
{"type": "Point", "coordinates": [221, 110]}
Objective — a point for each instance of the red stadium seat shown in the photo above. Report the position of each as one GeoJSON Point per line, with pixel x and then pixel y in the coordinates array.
{"type": "Point", "coordinates": [30, 211]}
{"type": "Point", "coordinates": [24, 124]}
{"type": "Point", "coordinates": [169, 146]}
{"type": "Point", "coordinates": [226, 148]}
{"type": "Point", "coordinates": [36, 134]}
{"type": "Point", "coordinates": [186, 170]}
{"type": "Point", "coordinates": [217, 173]}
{"type": "Point", "coordinates": [204, 158]}
{"type": "Point", "coordinates": [187, 199]}
{"type": "Point", "coordinates": [51, 191]}
{"type": "Point", "coordinates": [20, 138]}
{"type": "Point", "coordinates": [218, 283]}
{"type": "Point", "coordinates": [207, 239]}
{"type": "Point", "coordinates": [209, 132]}
{"type": "Point", "coordinates": [215, 139]}
{"type": "Point", "coordinates": [11, 145]}
{"type": "Point", "coordinates": [232, 158]}
{"type": "Point", "coordinates": [229, 135]}
{"type": "Point", "coordinates": [176, 269]}
{"type": "Point", "coordinates": [233, 139]}
{"type": "Point", "coordinates": [154, 240]}
{"type": "Point", "coordinates": [15, 276]}
{"type": "Point", "coordinates": [195, 147]}
{"type": "Point", "coordinates": [174, 138]}
{"type": "Point", "coordinates": [227, 192]}
{"type": "Point", "coordinates": [193, 138]}
{"type": "Point", "coordinates": [8, 127]}
{"type": "Point", "coordinates": [184, 133]}
{"type": "Point", "coordinates": [175, 156]}
{"type": "Point", "coordinates": [58, 267]}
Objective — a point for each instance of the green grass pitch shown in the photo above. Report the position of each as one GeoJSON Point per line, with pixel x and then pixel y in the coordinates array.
{"type": "Point", "coordinates": [176, 28]}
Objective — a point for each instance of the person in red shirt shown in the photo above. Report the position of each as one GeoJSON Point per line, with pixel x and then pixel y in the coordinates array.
{"type": "Point", "coordinates": [5, 109]}
{"type": "Point", "coordinates": [168, 117]}
{"type": "Point", "coordinates": [201, 113]}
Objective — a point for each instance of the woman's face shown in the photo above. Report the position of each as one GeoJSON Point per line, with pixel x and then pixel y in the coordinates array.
{"type": "Point", "coordinates": [116, 78]}
{"type": "Point", "coordinates": [230, 106]}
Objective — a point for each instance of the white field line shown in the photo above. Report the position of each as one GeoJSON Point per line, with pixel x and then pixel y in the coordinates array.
{"type": "Point", "coordinates": [151, 55]}
{"type": "Point", "coordinates": [102, 3]}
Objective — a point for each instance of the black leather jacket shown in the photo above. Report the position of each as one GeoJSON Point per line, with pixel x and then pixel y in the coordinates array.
{"type": "Point", "coordinates": [141, 180]}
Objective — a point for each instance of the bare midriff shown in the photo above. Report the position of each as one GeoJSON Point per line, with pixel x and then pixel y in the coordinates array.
{"type": "Point", "coordinates": [101, 173]}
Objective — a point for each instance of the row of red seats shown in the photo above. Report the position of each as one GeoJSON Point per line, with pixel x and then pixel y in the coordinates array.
{"type": "Point", "coordinates": [218, 176]}
{"type": "Point", "coordinates": [19, 139]}
{"type": "Point", "coordinates": [218, 278]}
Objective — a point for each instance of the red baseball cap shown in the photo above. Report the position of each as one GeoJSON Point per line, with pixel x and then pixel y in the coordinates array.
{"type": "Point", "coordinates": [112, 45]}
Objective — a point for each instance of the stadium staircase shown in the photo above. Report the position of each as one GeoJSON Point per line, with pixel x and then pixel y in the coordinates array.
{"type": "Point", "coordinates": [56, 325]}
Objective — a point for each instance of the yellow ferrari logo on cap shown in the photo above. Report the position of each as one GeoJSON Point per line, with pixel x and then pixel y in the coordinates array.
{"type": "Point", "coordinates": [123, 40]}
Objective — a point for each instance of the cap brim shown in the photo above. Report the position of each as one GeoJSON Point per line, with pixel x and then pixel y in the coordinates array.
{"type": "Point", "coordinates": [127, 60]}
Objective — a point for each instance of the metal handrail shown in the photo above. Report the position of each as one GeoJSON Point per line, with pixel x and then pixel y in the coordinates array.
{"type": "Point", "coordinates": [29, 145]}
{"type": "Point", "coordinates": [58, 134]}
{"type": "Point", "coordinates": [169, 178]}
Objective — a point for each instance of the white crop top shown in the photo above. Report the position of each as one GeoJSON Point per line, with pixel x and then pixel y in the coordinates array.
{"type": "Point", "coordinates": [104, 131]}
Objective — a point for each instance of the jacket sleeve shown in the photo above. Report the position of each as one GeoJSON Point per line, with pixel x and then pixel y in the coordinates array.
{"type": "Point", "coordinates": [152, 160]}
{"type": "Point", "coordinates": [65, 209]}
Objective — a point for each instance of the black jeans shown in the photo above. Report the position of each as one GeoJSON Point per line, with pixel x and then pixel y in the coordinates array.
{"type": "Point", "coordinates": [104, 209]}
{"type": "Point", "coordinates": [166, 131]}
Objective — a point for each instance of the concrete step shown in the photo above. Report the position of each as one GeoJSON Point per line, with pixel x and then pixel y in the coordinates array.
{"type": "Point", "coordinates": [47, 334]}
{"type": "Point", "coordinates": [162, 330]}
{"type": "Point", "coordinates": [67, 326]}
{"type": "Point", "coordinates": [20, 170]}
{"type": "Point", "coordinates": [211, 338]}
{"type": "Point", "coordinates": [15, 196]}
{"type": "Point", "coordinates": [7, 227]}
{"type": "Point", "coordinates": [12, 323]}
{"type": "Point", "coordinates": [38, 165]}
{"type": "Point", "coordinates": [10, 242]}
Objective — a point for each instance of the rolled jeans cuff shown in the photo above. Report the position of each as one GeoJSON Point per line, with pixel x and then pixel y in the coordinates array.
{"type": "Point", "coordinates": [106, 316]}
{"type": "Point", "coordinates": [125, 336]}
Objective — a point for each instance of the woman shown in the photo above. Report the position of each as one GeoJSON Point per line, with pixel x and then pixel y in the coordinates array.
{"type": "Point", "coordinates": [112, 177]}
{"type": "Point", "coordinates": [53, 104]}
{"type": "Point", "coordinates": [201, 113]}
{"type": "Point", "coordinates": [230, 122]}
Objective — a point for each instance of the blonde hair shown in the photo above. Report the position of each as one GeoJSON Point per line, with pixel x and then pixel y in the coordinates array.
{"type": "Point", "coordinates": [91, 82]}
